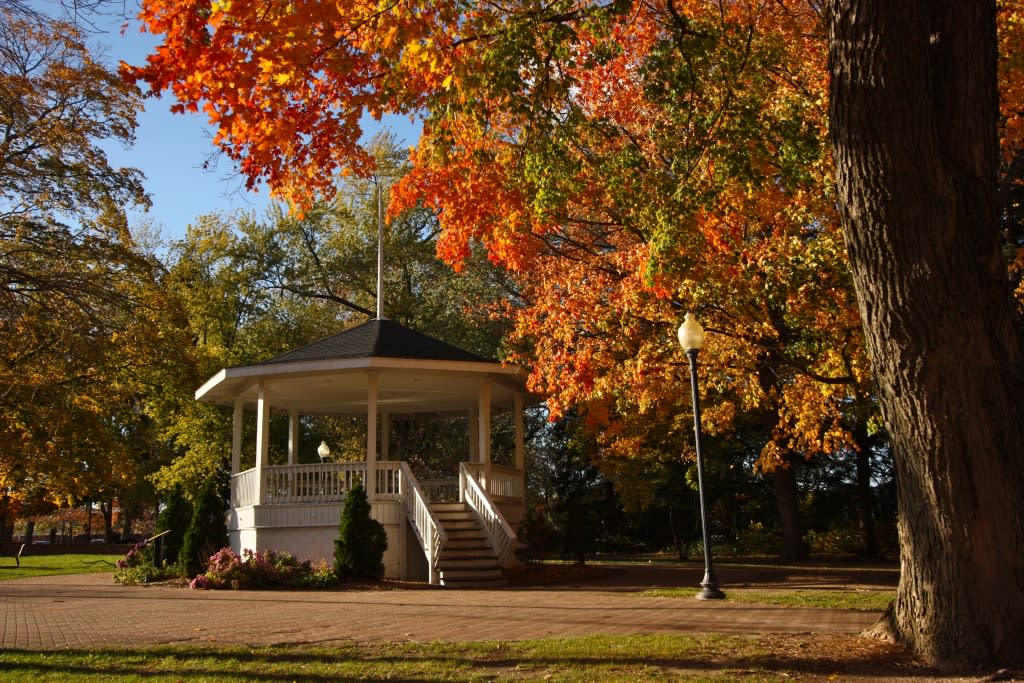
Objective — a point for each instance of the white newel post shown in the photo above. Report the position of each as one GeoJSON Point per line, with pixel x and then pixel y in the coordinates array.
{"type": "Point", "coordinates": [371, 437]}
{"type": "Point", "coordinates": [485, 431]}
{"type": "Point", "coordinates": [262, 438]}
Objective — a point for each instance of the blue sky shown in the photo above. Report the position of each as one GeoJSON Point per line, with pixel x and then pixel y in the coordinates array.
{"type": "Point", "coordinates": [170, 150]}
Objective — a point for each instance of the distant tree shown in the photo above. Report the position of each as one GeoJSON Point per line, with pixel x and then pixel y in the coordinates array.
{"type": "Point", "coordinates": [359, 548]}
{"type": "Point", "coordinates": [87, 334]}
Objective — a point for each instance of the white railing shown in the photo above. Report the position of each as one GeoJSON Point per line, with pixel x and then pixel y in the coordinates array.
{"type": "Point", "coordinates": [317, 483]}
{"type": "Point", "coordinates": [424, 523]}
{"type": "Point", "coordinates": [285, 484]}
{"type": "Point", "coordinates": [504, 482]}
{"type": "Point", "coordinates": [388, 475]}
{"type": "Point", "coordinates": [243, 488]}
{"type": "Point", "coordinates": [470, 492]}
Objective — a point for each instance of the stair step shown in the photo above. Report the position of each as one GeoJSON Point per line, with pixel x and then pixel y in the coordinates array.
{"type": "Point", "coordinates": [475, 583]}
{"type": "Point", "coordinates": [457, 517]}
{"type": "Point", "coordinates": [470, 574]}
{"type": "Point", "coordinates": [466, 534]}
{"type": "Point", "coordinates": [474, 565]}
{"type": "Point", "coordinates": [466, 553]}
{"type": "Point", "coordinates": [440, 508]}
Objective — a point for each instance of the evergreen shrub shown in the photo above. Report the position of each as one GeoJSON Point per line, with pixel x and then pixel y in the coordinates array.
{"type": "Point", "coordinates": [359, 548]}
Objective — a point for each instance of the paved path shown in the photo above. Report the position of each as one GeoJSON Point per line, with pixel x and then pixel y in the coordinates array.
{"type": "Point", "coordinates": [88, 611]}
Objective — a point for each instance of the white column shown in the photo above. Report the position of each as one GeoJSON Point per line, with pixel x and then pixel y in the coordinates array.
{"type": "Point", "coordinates": [262, 438]}
{"type": "Point", "coordinates": [293, 437]}
{"type": "Point", "coordinates": [520, 456]}
{"type": "Point", "coordinates": [484, 409]}
{"type": "Point", "coordinates": [236, 437]}
{"type": "Point", "coordinates": [236, 446]}
{"type": "Point", "coordinates": [371, 437]}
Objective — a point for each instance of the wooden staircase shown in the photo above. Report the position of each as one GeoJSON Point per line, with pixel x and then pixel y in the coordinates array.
{"type": "Point", "coordinates": [467, 560]}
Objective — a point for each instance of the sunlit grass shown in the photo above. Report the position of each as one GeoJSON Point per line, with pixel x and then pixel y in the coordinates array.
{"type": "Point", "coordinates": [49, 565]}
{"type": "Point", "coordinates": [593, 658]}
{"type": "Point", "coordinates": [860, 599]}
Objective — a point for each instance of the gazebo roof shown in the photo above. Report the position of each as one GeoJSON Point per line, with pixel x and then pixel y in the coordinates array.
{"type": "Point", "coordinates": [378, 338]}
{"type": "Point", "coordinates": [415, 374]}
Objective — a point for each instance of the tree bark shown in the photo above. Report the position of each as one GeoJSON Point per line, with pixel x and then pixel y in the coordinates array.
{"type": "Point", "coordinates": [794, 548]}
{"type": "Point", "coordinates": [913, 124]}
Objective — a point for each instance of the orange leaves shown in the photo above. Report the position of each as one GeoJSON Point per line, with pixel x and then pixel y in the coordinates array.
{"type": "Point", "coordinates": [1011, 76]}
{"type": "Point", "coordinates": [623, 162]}
{"type": "Point", "coordinates": [287, 84]}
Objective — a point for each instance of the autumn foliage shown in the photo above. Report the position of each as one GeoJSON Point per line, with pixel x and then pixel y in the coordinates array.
{"type": "Point", "coordinates": [625, 161]}
{"type": "Point", "coordinates": [83, 324]}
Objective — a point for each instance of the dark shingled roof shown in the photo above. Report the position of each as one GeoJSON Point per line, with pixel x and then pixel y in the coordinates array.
{"type": "Point", "coordinates": [380, 338]}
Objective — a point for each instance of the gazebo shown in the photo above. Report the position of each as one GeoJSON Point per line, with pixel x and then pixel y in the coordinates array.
{"type": "Point", "coordinates": [377, 370]}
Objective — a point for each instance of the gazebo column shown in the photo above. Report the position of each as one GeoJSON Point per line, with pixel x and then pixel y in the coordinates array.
{"type": "Point", "coordinates": [371, 437]}
{"type": "Point", "coordinates": [262, 437]}
{"type": "Point", "coordinates": [236, 436]}
{"type": "Point", "coordinates": [236, 445]}
{"type": "Point", "coordinates": [293, 437]}
{"type": "Point", "coordinates": [484, 436]}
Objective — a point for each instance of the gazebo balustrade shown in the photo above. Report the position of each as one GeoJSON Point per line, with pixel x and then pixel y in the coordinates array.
{"type": "Point", "coordinates": [328, 482]}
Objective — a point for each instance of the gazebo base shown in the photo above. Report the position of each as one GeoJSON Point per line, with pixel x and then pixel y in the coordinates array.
{"type": "Point", "coordinates": [308, 531]}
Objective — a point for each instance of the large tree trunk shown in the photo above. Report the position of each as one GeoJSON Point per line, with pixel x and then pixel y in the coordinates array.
{"type": "Point", "coordinates": [794, 548]}
{"type": "Point", "coordinates": [913, 115]}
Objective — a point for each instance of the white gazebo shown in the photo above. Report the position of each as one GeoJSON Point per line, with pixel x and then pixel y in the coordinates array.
{"type": "Point", "coordinates": [377, 370]}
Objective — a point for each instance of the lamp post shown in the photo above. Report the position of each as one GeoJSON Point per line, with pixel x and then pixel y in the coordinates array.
{"type": "Point", "coordinates": [324, 451]}
{"type": "Point", "coordinates": [691, 338]}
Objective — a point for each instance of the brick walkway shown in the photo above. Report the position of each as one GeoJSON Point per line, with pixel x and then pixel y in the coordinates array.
{"type": "Point", "coordinates": [89, 610]}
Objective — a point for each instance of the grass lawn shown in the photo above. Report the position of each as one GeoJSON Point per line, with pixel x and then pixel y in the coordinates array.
{"type": "Point", "coordinates": [596, 658]}
{"type": "Point", "coordinates": [46, 565]}
{"type": "Point", "coordinates": [704, 657]}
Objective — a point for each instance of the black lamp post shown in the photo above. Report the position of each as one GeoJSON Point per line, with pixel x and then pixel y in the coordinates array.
{"type": "Point", "coordinates": [691, 338]}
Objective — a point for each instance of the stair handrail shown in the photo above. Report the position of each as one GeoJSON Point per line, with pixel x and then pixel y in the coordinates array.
{"type": "Point", "coordinates": [498, 530]}
{"type": "Point", "coordinates": [425, 524]}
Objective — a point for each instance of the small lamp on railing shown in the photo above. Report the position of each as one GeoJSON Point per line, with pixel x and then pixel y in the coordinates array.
{"type": "Point", "coordinates": [324, 451]}
{"type": "Point", "coordinates": [691, 338]}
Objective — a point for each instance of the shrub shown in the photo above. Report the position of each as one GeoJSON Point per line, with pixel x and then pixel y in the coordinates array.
{"type": "Point", "coordinates": [206, 533]}
{"type": "Point", "coordinates": [844, 540]}
{"type": "Point", "coordinates": [174, 518]}
{"type": "Point", "coordinates": [224, 570]}
{"type": "Point", "coordinates": [137, 567]}
{"type": "Point", "coordinates": [757, 539]}
{"type": "Point", "coordinates": [264, 569]}
{"type": "Point", "coordinates": [536, 534]}
{"type": "Point", "coordinates": [359, 548]}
